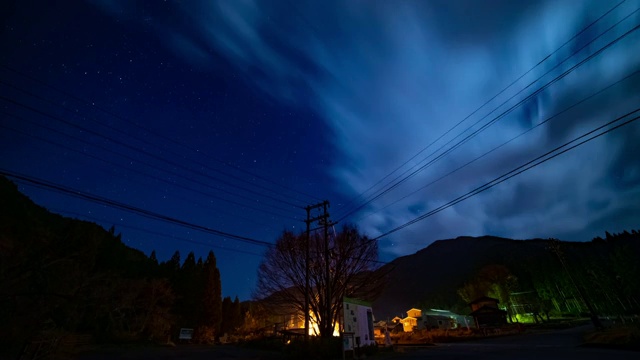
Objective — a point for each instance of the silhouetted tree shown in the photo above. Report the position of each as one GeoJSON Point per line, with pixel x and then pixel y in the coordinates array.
{"type": "Point", "coordinates": [188, 286]}
{"type": "Point", "coordinates": [171, 267]}
{"type": "Point", "coordinates": [237, 318]}
{"type": "Point", "coordinates": [624, 263]}
{"type": "Point", "coordinates": [352, 256]}
{"type": "Point", "coordinates": [212, 296]}
{"type": "Point", "coordinates": [153, 257]}
{"type": "Point", "coordinates": [231, 316]}
{"type": "Point", "coordinates": [492, 280]}
{"type": "Point", "coordinates": [226, 326]}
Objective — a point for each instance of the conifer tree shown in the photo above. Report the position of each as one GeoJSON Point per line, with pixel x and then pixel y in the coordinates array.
{"type": "Point", "coordinates": [173, 265]}
{"type": "Point", "coordinates": [237, 319]}
{"type": "Point", "coordinates": [188, 286]}
{"type": "Point", "coordinates": [153, 257]}
{"type": "Point", "coordinates": [212, 299]}
{"type": "Point", "coordinates": [227, 318]}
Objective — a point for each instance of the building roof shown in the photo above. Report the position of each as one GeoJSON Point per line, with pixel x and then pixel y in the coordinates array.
{"type": "Point", "coordinates": [356, 301]}
{"type": "Point", "coordinates": [482, 299]}
{"type": "Point", "coordinates": [437, 312]}
{"type": "Point", "coordinates": [487, 310]}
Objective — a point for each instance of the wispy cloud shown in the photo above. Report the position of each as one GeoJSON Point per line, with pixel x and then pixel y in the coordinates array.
{"type": "Point", "coordinates": [391, 77]}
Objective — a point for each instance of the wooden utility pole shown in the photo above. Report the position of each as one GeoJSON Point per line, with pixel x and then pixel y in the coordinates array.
{"type": "Point", "coordinates": [325, 222]}
{"type": "Point", "coordinates": [328, 316]}
{"type": "Point", "coordinates": [307, 290]}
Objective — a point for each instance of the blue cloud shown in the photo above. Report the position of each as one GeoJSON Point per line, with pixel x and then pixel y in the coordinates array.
{"type": "Point", "coordinates": [391, 77]}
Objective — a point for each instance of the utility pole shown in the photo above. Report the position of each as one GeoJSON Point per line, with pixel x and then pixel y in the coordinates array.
{"type": "Point", "coordinates": [325, 222]}
{"type": "Point", "coordinates": [327, 263]}
{"type": "Point", "coordinates": [306, 263]}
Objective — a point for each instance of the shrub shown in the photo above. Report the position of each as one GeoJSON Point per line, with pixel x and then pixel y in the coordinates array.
{"type": "Point", "coordinates": [264, 343]}
{"type": "Point", "coordinates": [204, 335]}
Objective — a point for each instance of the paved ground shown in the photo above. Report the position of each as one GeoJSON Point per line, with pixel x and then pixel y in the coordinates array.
{"type": "Point", "coordinates": [551, 344]}
{"type": "Point", "coordinates": [194, 352]}
{"type": "Point", "coordinates": [540, 344]}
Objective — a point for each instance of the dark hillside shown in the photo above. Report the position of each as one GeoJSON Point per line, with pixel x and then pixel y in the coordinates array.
{"type": "Point", "coordinates": [431, 277]}
{"type": "Point", "coordinates": [56, 271]}
{"type": "Point", "coordinates": [63, 277]}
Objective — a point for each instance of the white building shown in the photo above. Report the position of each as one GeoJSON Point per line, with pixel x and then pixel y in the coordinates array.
{"type": "Point", "coordinates": [358, 324]}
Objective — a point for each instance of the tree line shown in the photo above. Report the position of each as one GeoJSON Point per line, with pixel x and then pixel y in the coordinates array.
{"type": "Point", "coordinates": [547, 278]}
{"type": "Point", "coordinates": [60, 275]}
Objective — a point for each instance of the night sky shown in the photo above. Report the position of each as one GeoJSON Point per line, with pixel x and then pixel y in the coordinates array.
{"type": "Point", "coordinates": [234, 115]}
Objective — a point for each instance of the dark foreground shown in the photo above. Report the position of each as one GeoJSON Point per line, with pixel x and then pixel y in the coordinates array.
{"type": "Point", "coordinates": [550, 344]}
{"type": "Point", "coordinates": [181, 352]}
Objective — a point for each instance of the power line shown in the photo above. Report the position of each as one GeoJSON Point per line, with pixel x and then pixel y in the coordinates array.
{"type": "Point", "coordinates": [135, 170]}
{"type": "Point", "coordinates": [520, 169]}
{"type": "Point", "coordinates": [483, 105]}
{"type": "Point", "coordinates": [495, 119]}
{"type": "Point", "coordinates": [30, 181]}
{"type": "Point", "coordinates": [137, 150]}
{"type": "Point", "coordinates": [151, 232]}
{"type": "Point", "coordinates": [152, 155]}
{"type": "Point", "coordinates": [130, 208]}
{"type": "Point", "coordinates": [482, 128]}
{"type": "Point", "coordinates": [166, 138]}
{"type": "Point", "coordinates": [149, 176]}
{"type": "Point", "coordinates": [507, 142]}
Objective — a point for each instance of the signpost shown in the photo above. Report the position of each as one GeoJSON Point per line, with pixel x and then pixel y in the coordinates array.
{"type": "Point", "coordinates": [185, 334]}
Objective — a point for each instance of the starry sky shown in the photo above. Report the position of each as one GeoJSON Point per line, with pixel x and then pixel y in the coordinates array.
{"type": "Point", "coordinates": [232, 116]}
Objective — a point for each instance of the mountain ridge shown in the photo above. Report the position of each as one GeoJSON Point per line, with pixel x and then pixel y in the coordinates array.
{"type": "Point", "coordinates": [428, 278]}
{"type": "Point", "coordinates": [431, 276]}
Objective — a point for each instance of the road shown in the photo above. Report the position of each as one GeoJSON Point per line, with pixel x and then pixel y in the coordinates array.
{"type": "Point", "coordinates": [552, 344]}
{"type": "Point", "coordinates": [547, 345]}
{"type": "Point", "coordinates": [191, 352]}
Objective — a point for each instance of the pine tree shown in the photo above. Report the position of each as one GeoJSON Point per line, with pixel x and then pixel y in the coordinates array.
{"type": "Point", "coordinates": [189, 287]}
{"type": "Point", "coordinates": [189, 264]}
{"type": "Point", "coordinates": [212, 299]}
{"type": "Point", "coordinates": [227, 318]}
{"type": "Point", "coordinates": [237, 320]}
{"type": "Point", "coordinates": [174, 263]}
{"type": "Point", "coordinates": [153, 257]}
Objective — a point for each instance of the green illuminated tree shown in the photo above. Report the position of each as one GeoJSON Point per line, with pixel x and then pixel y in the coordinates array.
{"type": "Point", "coordinates": [492, 280]}
{"type": "Point", "coordinates": [624, 262]}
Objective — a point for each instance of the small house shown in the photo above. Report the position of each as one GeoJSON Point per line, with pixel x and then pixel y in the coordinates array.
{"type": "Point", "coordinates": [409, 323]}
{"type": "Point", "coordinates": [415, 313]}
{"type": "Point", "coordinates": [485, 312]}
{"type": "Point", "coordinates": [433, 319]}
{"type": "Point", "coordinates": [483, 301]}
{"type": "Point", "coordinates": [379, 328]}
{"type": "Point", "coordinates": [432, 322]}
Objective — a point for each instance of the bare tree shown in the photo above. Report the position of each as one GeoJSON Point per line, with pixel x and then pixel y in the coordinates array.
{"type": "Point", "coordinates": [352, 260]}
